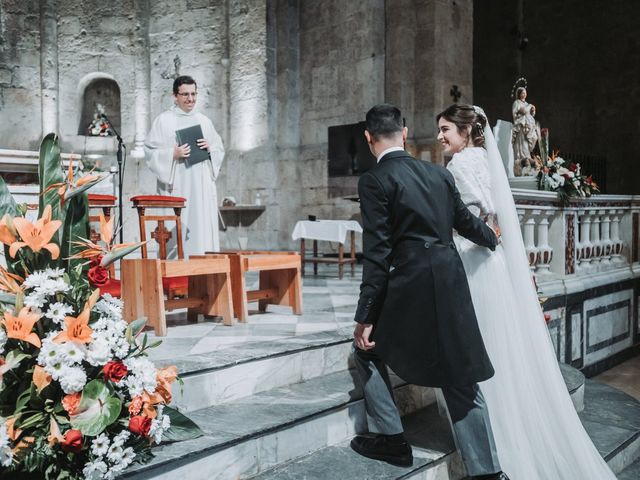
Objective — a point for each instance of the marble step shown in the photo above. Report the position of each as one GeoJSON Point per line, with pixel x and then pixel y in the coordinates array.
{"type": "Point", "coordinates": [434, 451]}
{"type": "Point", "coordinates": [611, 418]}
{"type": "Point", "coordinates": [258, 432]}
{"type": "Point", "coordinates": [227, 375]}
{"type": "Point", "coordinates": [574, 380]}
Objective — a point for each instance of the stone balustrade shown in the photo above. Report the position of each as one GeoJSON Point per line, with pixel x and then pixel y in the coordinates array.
{"type": "Point", "coordinates": [583, 237]}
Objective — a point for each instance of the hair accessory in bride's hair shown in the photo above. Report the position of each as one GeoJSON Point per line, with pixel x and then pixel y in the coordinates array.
{"type": "Point", "coordinates": [521, 82]}
{"type": "Point", "coordinates": [479, 111]}
{"type": "Point", "coordinates": [480, 129]}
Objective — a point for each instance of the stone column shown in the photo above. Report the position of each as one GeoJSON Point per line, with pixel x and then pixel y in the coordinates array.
{"type": "Point", "coordinates": [247, 75]}
{"type": "Point", "coordinates": [142, 79]}
{"type": "Point", "coordinates": [49, 66]}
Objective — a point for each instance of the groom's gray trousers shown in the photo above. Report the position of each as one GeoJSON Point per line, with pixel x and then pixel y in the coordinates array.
{"type": "Point", "coordinates": [466, 406]}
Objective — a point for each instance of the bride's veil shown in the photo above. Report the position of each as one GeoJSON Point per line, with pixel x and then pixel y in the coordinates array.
{"type": "Point", "coordinates": [547, 390]}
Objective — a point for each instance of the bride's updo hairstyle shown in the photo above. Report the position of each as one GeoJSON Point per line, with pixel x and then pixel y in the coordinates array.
{"type": "Point", "coordinates": [464, 116]}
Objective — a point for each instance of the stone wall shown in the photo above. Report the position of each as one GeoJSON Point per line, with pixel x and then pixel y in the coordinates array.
{"type": "Point", "coordinates": [582, 61]}
{"type": "Point", "coordinates": [272, 75]}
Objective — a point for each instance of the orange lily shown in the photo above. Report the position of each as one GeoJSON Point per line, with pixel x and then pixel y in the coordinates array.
{"type": "Point", "coordinates": [36, 236]}
{"type": "Point", "coordinates": [7, 232]}
{"type": "Point", "coordinates": [41, 379]}
{"type": "Point", "coordinates": [10, 282]}
{"type": "Point", "coordinates": [55, 436]}
{"type": "Point", "coordinates": [77, 328]}
{"type": "Point", "coordinates": [165, 377]}
{"type": "Point", "coordinates": [20, 327]}
{"type": "Point", "coordinates": [14, 434]}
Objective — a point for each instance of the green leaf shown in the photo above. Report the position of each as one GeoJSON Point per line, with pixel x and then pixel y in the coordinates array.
{"type": "Point", "coordinates": [8, 298]}
{"type": "Point", "coordinates": [7, 203]}
{"type": "Point", "coordinates": [182, 428]}
{"type": "Point", "coordinates": [75, 225]}
{"type": "Point", "coordinates": [49, 173]}
{"type": "Point", "coordinates": [97, 410]}
{"type": "Point", "coordinates": [134, 329]}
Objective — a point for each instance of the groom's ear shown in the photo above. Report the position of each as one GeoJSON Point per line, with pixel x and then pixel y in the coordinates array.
{"type": "Point", "coordinates": [369, 137]}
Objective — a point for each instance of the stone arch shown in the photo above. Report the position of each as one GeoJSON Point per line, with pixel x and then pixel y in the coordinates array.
{"type": "Point", "coordinates": [98, 88]}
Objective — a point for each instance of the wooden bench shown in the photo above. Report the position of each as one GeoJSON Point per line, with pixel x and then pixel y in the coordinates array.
{"type": "Point", "coordinates": [280, 280]}
{"type": "Point", "coordinates": [209, 289]}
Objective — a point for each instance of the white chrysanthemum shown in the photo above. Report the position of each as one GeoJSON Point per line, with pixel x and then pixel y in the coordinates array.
{"type": "Point", "coordinates": [6, 453]}
{"type": "Point", "coordinates": [73, 379]}
{"type": "Point", "coordinates": [121, 438]}
{"type": "Point", "coordinates": [52, 286]}
{"type": "Point", "coordinates": [100, 445]}
{"type": "Point", "coordinates": [35, 279]}
{"type": "Point", "coordinates": [128, 455]}
{"type": "Point", "coordinates": [159, 425]}
{"type": "Point", "coordinates": [73, 352]}
{"type": "Point", "coordinates": [57, 311]}
{"type": "Point", "coordinates": [3, 339]}
{"type": "Point", "coordinates": [54, 272]}
{"type": "Point", "coordinates": [95, 470]}
{"type": "Point", "coordinates": [142, 375]}
{"type": "Point", "coordinates": [98, 352]}
{"type": "Point", "coordinates": [114, 453]}
{"type": "Point", "coordinates": [35, 300]}
{"type": "Point", "coordinates": [51, 353]}
{"type": "Point", "coordinates": [109, 306]}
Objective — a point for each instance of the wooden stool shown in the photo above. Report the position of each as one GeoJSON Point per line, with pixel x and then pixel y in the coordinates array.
{"type": "Point", "coordinates": [173, 286]}
{"type": "Point", "coordinates": [280, 280]}
{"type": "Point", "coordinates": [209, 289]}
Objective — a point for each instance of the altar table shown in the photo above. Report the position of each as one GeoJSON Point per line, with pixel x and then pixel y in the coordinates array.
{"type": "Point", "coordinates": [328, 231]}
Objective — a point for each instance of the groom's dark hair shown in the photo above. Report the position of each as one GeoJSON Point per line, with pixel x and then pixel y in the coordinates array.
{"type": "Point", "coordinates": [384, 121]}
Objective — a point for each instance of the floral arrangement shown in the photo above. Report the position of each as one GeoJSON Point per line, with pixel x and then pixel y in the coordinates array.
{"type": "Point", "coordinates": [555, 174]}
{"type": "Point", "coordinates": [99, 126]}
{"type": "Point", "coordinates": [78, 396]}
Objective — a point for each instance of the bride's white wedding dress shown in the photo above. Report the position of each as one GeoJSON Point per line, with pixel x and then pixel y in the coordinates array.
{"type": "Point", "coordinates": [537, 431]}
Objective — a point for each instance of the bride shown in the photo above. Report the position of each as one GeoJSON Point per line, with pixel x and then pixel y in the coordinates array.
{"type": "Point", "coordinates": [537, 431]}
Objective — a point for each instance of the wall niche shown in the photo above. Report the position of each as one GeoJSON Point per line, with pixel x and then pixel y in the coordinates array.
{"type": "Point", "coordinates": [101, 98]}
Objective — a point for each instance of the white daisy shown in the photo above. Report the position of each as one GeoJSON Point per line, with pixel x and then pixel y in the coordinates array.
{"type": "Point", "coordinates": [100, 445]}
{"type": "Point", "coordinates": [95, 470]}
{"type": "Point", "coordinates": [35, 279]}
{"type": "Point", "coordinates": [73, 352]}
{"type": "Point", "coordinates": [57, 311]}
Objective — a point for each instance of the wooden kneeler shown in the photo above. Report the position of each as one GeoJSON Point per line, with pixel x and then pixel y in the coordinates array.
{"type": "Point", "coordinates": [209, 291]}
{"type": "Point", "coordinates": [280, 280]}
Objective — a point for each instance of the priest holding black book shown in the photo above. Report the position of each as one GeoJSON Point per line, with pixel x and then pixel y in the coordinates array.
{"type": "Point", "coordinates": [187, 166]}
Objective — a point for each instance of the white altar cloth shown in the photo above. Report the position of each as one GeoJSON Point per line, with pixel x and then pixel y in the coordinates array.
{"type": "Point", "coordinates": [327, 230]}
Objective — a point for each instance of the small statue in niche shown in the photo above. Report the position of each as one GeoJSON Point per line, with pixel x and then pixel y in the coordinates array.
{"type": "Point", "coordinates": [526, 131]}
{"type": "Point", "coordinates": [100, 126]}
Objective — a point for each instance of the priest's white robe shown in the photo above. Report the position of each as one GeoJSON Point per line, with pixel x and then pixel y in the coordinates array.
{"type": "Point", "coordinates": [195, 183]}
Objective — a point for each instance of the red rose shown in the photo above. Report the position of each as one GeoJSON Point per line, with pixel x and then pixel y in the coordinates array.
{"type": "Point", "coordinates": [114, 371]}
{"type": "Point", "coordinates": [98, 275]}
{"type": "Point", "coordinates": [72, 441]}
{"type": "Point", "coordinates": [140, 425]}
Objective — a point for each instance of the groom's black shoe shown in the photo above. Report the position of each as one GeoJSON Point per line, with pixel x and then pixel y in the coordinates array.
{"type": "Point", "coordinates": [492, 476]}
{"type": "Point", "coordinates": [392, 449]}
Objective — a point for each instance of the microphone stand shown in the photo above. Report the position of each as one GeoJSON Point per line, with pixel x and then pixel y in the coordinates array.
{"type": "Point", "coordinates": [121, 158]}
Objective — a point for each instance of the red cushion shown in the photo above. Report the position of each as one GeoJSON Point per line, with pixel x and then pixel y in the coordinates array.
{"type": "Point", "coordinates": [175, 282]}
{"type": "Point", "coordinates": [98, 197]}
{"type": "Point", "coordinates": [157, 198]}
{"type": "Point", "coordinates": [112, 288]}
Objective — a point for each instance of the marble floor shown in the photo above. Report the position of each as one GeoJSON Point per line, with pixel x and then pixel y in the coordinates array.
{"type": "Point", "coordinates": [625, 377]}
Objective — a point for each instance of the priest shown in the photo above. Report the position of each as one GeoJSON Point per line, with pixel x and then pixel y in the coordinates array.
{"type": "Point", "coordinates": [175, 176]}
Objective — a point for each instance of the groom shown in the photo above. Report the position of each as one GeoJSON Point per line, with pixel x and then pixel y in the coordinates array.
{"type": "Point", "coordinates": [415, 312]}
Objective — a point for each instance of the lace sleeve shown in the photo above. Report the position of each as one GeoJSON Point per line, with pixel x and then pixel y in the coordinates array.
{"type": "Point", "coordinates": [469, 168]}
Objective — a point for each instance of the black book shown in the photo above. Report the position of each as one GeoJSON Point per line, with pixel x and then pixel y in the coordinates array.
{"type": "Point", "coordinates": [191, 135]}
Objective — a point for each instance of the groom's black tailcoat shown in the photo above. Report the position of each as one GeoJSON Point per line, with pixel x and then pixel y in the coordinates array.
{"type": "Point", "coordinates": [414, 288]}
